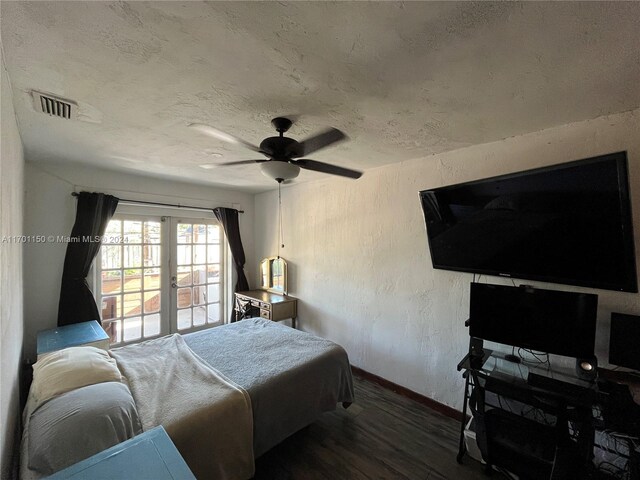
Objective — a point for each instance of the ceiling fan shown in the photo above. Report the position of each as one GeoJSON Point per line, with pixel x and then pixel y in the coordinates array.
{"type": "Point", "coordinates": [283, 154]}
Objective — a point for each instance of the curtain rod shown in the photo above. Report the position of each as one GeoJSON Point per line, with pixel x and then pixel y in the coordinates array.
{"type": "Point", "coordinates": [174, 205]}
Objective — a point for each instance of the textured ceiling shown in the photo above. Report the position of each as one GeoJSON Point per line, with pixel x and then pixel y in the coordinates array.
{"type": "Point", "coordinates": [403, 80]}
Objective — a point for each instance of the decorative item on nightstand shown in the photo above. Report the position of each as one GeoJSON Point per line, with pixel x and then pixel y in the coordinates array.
{"type": "Point", "coordinates": [79, 334]}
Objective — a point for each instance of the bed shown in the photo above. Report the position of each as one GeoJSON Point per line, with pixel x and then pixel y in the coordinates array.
{"type": "Point", "coordinates": [291, 376]}
{"type": "Point", "coordinates": [288, 377]}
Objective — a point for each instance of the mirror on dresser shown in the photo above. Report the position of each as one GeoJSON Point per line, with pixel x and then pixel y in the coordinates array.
{"type": "Point", "coordinates": [273, 275]}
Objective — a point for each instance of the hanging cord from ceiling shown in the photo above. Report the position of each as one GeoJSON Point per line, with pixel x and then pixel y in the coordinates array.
{"type": "Point", "coordinates": [280, 230]}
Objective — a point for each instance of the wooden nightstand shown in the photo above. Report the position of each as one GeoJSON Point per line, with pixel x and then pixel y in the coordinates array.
{"type": "Point", "coordinates": [89, 334]}
{"type": "Point", "coordinates": [150, 455]}
{"type": "Point", "coordinates": [272, 306]}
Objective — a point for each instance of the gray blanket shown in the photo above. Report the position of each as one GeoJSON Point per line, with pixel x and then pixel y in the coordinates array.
{"type": "Point", "coordinates": [207, 416]}
{"type": "Point", "coordinates": [291, 376]}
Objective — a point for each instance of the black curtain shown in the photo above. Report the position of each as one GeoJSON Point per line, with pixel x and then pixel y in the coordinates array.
{"type": "Point", "coordinates": [228, 217]}
{"type": "Point", "coordinates": [93, 213]}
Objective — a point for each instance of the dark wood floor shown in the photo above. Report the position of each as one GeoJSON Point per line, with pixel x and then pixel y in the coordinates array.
{"type": "Point", "coordinates": [381, 436]}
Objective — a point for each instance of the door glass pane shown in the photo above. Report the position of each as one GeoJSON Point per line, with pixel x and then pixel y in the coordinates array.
{"type": "Point", "coordinates": [132, 304]}
{"type": "Point", "coordinates": [111, 256]}
{"type": "Point", "coordinates": [132, 329]}
{"type": "Point", "coordinates": [213, 273]}
{"type": "Point", "coordinates": [111, 281]}
{"type": "Point", "coordinates": [213, 234]}
{"type": "Point", "coordinates": [199, 316]}
{"type": "Point", "coordinates": [213, 253]}
{"type": "Point", "coordinates": [184, 276]}
{"type": "Point", "coordinates": [199, 234]}
{"type": "Point", "coordinates": [152, 232]}
{"type": "Point", "coordinates": [132, 256]}
{"type": "Point", "coordinates": [111, 307]}
{"type": "Point", "coordinates": [199, 275]}
{"type": "Point", "coordinates": [199, 254]}
{"type": "Point", "coordinates": [132, 280]}
{"type": "Point", "coordinates": [113, 330]}
{"type": "Point", "coordinates": [151, 255]}
{"type": "Point", "coordinates": [151, 325]}
{"type": "Point", "coordinates": [213, 292]}
{"type": "Point", "coordinates": [184, 319]}
{"type": "Point", "coordinates": [199, 296]}
{"type": "Point", "coordinates": [184, 255]}
{"type": "Point", "coordinates": [184, 297]}
{"type": "Point", "coordinates": [213, 313]}
{"type": "Point", "coordinates": [132, 231]}
{"type": "Point", "coordinates": [184, 233]}
{"type": "Point", "coordinates": [151, 278]}
{"type": "Point", "coordinates": [114, 229]}
{"type": "Point", "coordinates": [152, 301]}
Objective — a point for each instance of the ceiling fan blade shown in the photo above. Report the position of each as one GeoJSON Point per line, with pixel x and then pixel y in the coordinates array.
{"type": "Point", "coordinates": [326, 168]}
{"type": "Point", "coordinates": [225, 137]}
{"type": "Point", "coordinates": [321, 140]}
{"type": "Point", "coordinates": [211, 166]}
{"type": "Point", "coordinates": [241, 162]}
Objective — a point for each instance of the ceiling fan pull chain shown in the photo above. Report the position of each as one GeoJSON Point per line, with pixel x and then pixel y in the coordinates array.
{"type": "Point", "coordinates": [281, 234]}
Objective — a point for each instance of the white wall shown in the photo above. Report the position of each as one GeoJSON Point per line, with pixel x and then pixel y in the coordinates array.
{"type": "Point", "coordinates": [11, 303]}
{"type": "Point", "coordinates": [50, 210]}
{"type": "Point", "coordinates": [359, 260]}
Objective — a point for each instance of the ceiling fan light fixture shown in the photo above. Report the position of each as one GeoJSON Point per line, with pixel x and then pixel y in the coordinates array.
{"type": "Point", "coordinates": [279, 170]}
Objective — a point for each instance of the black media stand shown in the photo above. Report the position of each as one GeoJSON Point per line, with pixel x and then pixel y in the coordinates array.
{"type": "Point", "coordinates": [534, 422]}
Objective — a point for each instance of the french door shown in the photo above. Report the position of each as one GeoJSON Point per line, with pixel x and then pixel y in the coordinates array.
{"type": "Point", "coordinates": [196, 274]}
{"type": "Point", "coordinates": [159, 275]}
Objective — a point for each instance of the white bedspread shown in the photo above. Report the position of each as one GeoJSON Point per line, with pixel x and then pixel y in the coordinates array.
{"type": "Point", "coordinates": [207, 416]}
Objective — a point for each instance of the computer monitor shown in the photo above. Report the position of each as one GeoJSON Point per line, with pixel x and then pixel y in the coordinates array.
{"type": "Point", "coordinates": [623, 341]}
{"type": "Point", "coordinates": [563, 323]}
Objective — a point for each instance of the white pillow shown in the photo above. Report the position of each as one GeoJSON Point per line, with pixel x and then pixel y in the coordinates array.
{"type": "Point", "coordinates": [64, 370]}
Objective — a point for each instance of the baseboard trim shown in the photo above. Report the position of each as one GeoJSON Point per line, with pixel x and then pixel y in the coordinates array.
{"type": "Point", "coordinates": [405, 392]}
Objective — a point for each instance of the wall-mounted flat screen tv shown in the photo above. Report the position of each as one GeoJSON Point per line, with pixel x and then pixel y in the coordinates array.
{"type": "Point", "coordinates": [549, 321]}
{"type": "Point", "coordinates": [569, 223]}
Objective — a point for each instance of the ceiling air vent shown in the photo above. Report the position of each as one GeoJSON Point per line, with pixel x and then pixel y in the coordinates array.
{"type": "Point", "coordinates": [54, 106]}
